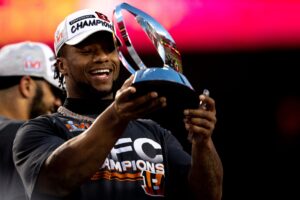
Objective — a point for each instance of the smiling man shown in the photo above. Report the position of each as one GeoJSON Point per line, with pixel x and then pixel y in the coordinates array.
{"type": "Point", "coordinates": [97, 146]}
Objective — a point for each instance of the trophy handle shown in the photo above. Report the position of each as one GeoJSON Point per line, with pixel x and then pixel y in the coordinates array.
{"type": "Point", "coordinates": [159, 36]}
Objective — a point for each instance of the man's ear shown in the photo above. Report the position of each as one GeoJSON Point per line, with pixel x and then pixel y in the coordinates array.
{"type": "Point", "coordinates": [27, 86]}
{"type": "Point", "coordinates": [61, 65]}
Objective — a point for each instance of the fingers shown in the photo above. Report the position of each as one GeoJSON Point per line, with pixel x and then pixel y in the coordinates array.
{"type": "Point", "coordinates": [148, 103]}
{"type": "Point", "coordinates": [202, 120]}
{"type": "Point", "coordinates": [200, 126]}
{"type": "Point", "coordinates": [210, 108]}
{"type": "Point", "coordinates": [140, 106]}
{"type": "Point", "coordinates": [126, 90]}
{"type": "Point", "coordinates": [124, 94]}
{"type": "Point", "coordinates": [208, 101]}
{"type": "Point", "coordinates": [130, 106]}
{"type": "Point", "coordinates": [128, 82]}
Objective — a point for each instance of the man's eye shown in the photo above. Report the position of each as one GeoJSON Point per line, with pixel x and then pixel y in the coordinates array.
{"type": "Point", "coordinates": [110, 48]}
{"type": "Point", "coordinates": [85, 51]}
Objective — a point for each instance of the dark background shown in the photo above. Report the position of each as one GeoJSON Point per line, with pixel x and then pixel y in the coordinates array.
{"type": "Point", "coordinates": [258, 112]}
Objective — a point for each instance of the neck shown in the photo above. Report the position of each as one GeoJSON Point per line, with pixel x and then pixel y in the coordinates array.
{"type": "Point", "coordinates": [85, 91]}
{"type": "Point", "coordinates": [87, 106]}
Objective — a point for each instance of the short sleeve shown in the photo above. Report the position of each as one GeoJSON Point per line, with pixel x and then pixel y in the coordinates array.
{"type": "Point", "coordinates": [34, 142]}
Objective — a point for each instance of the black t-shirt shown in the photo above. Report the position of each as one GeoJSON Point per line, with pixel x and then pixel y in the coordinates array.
{"type": "Point", "coordinates": [11, 187]}
{"type": "Point", "coordinates": [147, 162]}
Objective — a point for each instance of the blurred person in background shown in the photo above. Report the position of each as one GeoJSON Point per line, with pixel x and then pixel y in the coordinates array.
{"type": "Point", "coordinates": [27, 90]}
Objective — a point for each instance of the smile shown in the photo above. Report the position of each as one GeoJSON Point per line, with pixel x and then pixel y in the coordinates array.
{"type": "Point", "coordinates": [101, 72]}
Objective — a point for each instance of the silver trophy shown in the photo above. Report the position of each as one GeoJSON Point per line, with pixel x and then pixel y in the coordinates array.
{"type": "Point", "coordinates": [168, 79]}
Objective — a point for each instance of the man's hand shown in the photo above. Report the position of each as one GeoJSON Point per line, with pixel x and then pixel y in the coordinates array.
{"type": "Point", "coordinates": [128, 107]}
{"type": "Point", "coordinates": [201, 122]}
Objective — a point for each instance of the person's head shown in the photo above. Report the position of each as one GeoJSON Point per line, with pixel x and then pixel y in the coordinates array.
{"type": "Point", "coordinates": [27, 79]}
{"type": "Point", "coordinates": [87, 57]}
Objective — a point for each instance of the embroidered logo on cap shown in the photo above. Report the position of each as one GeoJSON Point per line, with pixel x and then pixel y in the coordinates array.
{"type": "Point", "coordinates": [32, 65]}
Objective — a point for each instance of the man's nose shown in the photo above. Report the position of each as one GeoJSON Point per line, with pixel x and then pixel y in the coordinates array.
{"type": "Point", "coordinates": [101, 56]}
{"type": "Point", "coordinates": [57, 102]}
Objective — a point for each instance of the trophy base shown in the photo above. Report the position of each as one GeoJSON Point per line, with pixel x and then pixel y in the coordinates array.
{"type": "Point", "coordinates": [170, 84]}
{"type": "Point", "coordinates": [178, 96]}
{"type": "Point", "coordinates": [171, 117]}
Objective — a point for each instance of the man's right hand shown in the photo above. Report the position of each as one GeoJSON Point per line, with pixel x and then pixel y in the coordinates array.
{"type": "Point", "coordinates": [128, 107]}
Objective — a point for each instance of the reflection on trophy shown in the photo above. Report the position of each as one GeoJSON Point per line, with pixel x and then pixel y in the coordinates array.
{"type": "Point", "coordinates": [168, 79]}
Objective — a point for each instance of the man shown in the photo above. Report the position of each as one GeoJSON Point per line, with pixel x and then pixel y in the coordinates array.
{"type": "Point", "coordinates": [27, 89]}
{"type": "Point", "coordinates": [96, 146]}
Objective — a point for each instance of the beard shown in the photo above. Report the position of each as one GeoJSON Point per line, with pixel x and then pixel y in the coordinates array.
{"type": "Point", "coordinates": [38, 106]}
{"type": "Point", "coordinates": [91, 92]}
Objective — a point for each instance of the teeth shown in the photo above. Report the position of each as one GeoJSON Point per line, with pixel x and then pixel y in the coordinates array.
{"type": "Point", "coordinates": [102, 71]}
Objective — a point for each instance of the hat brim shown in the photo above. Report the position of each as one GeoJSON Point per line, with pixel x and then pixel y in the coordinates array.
{"type": "Point", "coordinates": [83, 36]}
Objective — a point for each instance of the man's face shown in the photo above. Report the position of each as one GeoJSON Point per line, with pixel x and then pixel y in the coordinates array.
{"type": "Point", "coordinates": [44, 101]}
{"type": "Point", "coordinates": [91, 67]}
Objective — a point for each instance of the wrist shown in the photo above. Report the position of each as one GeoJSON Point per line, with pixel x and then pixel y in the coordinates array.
{"type": "Point", "coordinates": [201, 141]}
{"type": "Point", "coordinates": [115, 114]}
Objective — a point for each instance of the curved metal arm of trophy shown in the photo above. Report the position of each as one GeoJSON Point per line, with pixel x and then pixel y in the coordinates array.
{"type": "Point", "coordinates": [159, 36]}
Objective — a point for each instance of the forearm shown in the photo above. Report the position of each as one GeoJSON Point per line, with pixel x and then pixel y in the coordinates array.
{"type": "Point", "coordinates": [79, 158]}
{"type": "Point", "coordinates": [206, 175]}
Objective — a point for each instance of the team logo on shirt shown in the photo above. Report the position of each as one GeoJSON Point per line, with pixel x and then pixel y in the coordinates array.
{"type": "Point", "coordinates": [73, 126]}
{"type": "Point", "coordinates": [153, 183]}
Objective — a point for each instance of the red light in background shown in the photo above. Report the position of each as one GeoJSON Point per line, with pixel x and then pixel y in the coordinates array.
{"type": "Point", "coordinates": [194, 24]}
{"type": "Point", "coordinates": [3, 2]}
{"type": "Point", "coordinates": [288, 116]}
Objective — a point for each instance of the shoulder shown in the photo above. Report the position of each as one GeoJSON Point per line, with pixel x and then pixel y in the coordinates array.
{"type": "Point", "coordinates": [9, 122]}
{"type": "Point", "coordinates": [41, 132]}
{"type": "Point", "coordinates": [8, 130]}
{"type": "Point", "coordinates": [42, 120]}
{"type": "Point", "coordinates": [9, 126]}
{"type": "Point", "coordinates": [40, 126]}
